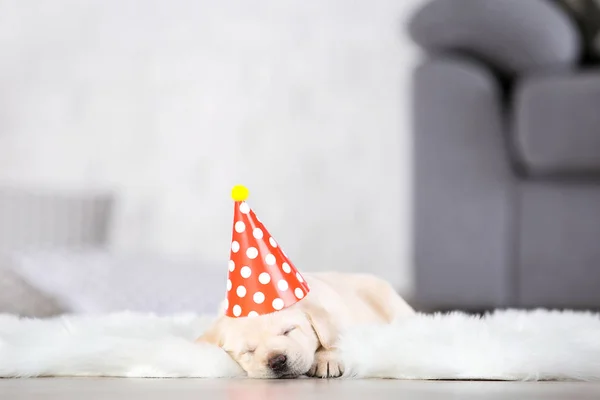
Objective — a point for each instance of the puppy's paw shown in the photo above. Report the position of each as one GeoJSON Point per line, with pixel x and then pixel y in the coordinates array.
{"type": "Point", "coordinates": [327, 364]}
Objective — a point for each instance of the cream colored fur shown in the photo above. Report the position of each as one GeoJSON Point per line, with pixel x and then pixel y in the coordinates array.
{"type": "Point", "coordinates": [307, 333]}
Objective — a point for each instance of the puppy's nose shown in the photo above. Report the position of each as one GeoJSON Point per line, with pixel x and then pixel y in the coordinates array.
{"type": "Point", "coordinates": [278, 362]}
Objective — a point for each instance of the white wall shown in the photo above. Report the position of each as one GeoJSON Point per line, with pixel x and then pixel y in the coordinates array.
{"type": "Point", "coordinates": [173, 102]}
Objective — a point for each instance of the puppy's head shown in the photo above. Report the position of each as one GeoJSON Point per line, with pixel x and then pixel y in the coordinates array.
{"type": "Point", "coordinates": [277, 345]}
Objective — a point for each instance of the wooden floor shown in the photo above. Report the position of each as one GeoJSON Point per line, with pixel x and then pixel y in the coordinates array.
{"type": "Point", "coordinates": [224, 389]}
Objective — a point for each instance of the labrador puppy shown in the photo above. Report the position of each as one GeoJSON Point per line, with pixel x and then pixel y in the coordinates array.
{"type": "Point", "coordinates": [302, 339]}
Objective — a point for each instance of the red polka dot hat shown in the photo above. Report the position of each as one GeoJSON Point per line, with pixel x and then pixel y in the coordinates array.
{"type": "Point", "coordinates": [261, 279]}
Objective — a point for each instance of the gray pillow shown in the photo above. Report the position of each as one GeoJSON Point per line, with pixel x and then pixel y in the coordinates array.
{"type": "Point", "coordinates": [19, 297]}
{"type": "Point", "coordinates": [586, 13]}
{"type": "Point", "coordinates": [514, 36]}
{"type": "Point", "coordinates": [97, 281]}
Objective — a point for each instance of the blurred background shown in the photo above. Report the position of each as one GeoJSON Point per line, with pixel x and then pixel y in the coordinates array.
{"type": "Point", "coordinates": [448, 146]}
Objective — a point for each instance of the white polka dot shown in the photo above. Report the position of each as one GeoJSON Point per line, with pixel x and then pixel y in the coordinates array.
{"type": "Point", "coordinates": [225, 304]}
{"type": "Point", "coordinates": [253, 314]}
{"type": "Point", "coordinates": [237, 310]}
{"type": "Point", "coordinates": [258, 297]}
{"type": "Point", "coordinates": [270, 259]}
{"type": "Point", "coordinates": [299, 293]}
{"type": "Point", "coordinates": [231, 265]}
{"type": "Point", "coordinates": [264, 278]}
{"type": "Point", "coordinates": [282, 285]}
{"type": "Point", "coordinates": [286, 268]}
{"type": "Point", "coordinates": [240, 227]}
{"type": "Point", "coordinates": [235, 246]}
{"type": "Point", "coordinates": [244, 208]}
{"type": "Point", "coordinates": [300, 278]}
{"type": "Point", "coordinates": [229, 285]}
{"type": "Point", "coordinates": [252, 253]}
{"type": "Point", "coordinates": [273, 242]}
{"type": "Point", "coordinates": [245, 272]}
{"type": "Point", "coordinates": [257, 233]}
{"type": "Point", "coordinates": [278, 304]}
{"type": "Point", "coordinates": [241, 291]}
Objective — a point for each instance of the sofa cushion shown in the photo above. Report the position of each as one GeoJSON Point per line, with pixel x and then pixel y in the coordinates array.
{"type": "Point", "coordinates": [557, 252]}
{"type": "Point", "coordinates": [514, 36]}
{"type": "Point", "coordinates": [557, 124]}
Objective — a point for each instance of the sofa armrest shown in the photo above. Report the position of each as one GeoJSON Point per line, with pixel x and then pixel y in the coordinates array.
{"type": "Point", "coordinates": [464, 188]}
{"type": "Point", "coordinates": [514, 36]}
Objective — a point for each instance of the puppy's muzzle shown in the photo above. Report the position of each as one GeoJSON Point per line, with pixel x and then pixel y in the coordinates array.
{"type": "Point", "coordinates": [278, 363]}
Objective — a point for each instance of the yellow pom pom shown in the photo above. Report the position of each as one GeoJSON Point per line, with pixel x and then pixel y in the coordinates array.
{"type": "Point", "coordinates": [239, 193]}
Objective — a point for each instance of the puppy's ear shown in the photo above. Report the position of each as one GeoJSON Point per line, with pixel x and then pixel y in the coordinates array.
{"type": "Point", "coordinates": [212, 335]}
{"type": "Point", "coordinates": [323, 323]}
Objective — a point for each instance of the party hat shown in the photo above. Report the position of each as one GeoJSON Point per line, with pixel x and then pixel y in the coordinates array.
{"type": "Point", "coordinates": [261, 279]}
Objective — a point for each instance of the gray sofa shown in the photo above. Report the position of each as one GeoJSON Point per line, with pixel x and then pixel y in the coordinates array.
{"type": "Point", "coordinates": [507, 157]}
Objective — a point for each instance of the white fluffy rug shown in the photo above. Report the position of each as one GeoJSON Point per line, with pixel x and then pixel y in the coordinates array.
{"type": "Point", "coordinates": [506, 345]}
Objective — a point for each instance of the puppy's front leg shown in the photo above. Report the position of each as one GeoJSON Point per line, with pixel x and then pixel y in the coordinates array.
{"type": "Point", "coordinates": [327, 364]}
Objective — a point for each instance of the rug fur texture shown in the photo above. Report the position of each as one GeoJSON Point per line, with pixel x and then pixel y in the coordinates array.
{"type": "Point", "coordinates": [505, 345]}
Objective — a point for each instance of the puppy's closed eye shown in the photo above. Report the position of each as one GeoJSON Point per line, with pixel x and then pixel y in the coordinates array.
{"type": "Point", "coordinates": [248, 352]}
{"type": "Point", "coordinates": [288, 330]}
